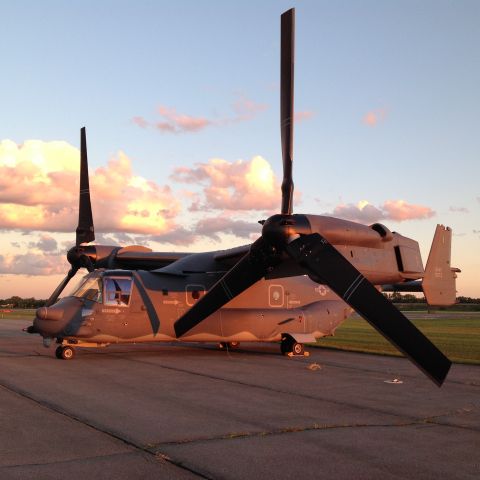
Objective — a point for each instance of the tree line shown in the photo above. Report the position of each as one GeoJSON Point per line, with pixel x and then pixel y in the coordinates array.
{"type": "Point", "coordinates": [19, 302]}
{"type": "Point", "coordinates": [395, 297]}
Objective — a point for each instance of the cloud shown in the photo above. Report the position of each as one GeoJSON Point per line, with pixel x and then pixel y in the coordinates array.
{"type": "Point", "coordinates": [174, 122]}
{"type": "Point", "coordinates": [459, 209]}
{"type": "Point", "coordinates": [397, 210]}
{"type": "Point", "coordinates": [179, 122]}
{"type": "Point", "coordinates": [45, 244]}
{"type": "Point", "coordinates": [212, 227]}
{"type": "Point", "coordinates": [400, 211]}
{"type": "Point", "coordinates": [39, 191]}
{"type": "Point", "coordinates": [140, 121]}
{"type": "Point", "coordinates": [239, 185]}
{"type": "Point", "coordinates": [303, 115]}
{"type": "Point", "coordinates": [33, 264]}
{"type": "Point", "coordinates": [244, 109]}
{"type": "Point", "coordinates": [179, 236]}
{"type": "Point", "coordinates": [374, 117]}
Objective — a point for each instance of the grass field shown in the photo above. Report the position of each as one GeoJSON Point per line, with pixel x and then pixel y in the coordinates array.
{"type": "Point", "coordinates": [456, 335]}
{"type": "Point", "coordinates": [17, 314]}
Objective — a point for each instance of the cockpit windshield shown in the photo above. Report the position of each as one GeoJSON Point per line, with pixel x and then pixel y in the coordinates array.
{"type": "Point", "coordinates": [90, 288]}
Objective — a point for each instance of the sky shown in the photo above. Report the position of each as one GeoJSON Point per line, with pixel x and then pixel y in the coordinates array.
{"type": "Point", "coordinates": [181, 105]}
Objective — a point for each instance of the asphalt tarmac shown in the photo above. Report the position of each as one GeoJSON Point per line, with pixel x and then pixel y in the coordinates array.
{"type": "Point", "coordinates": [192, 411]}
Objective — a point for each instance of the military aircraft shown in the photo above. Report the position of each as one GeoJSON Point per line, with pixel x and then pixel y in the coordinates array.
{"type": "Point", "coordinates": [297, 282]}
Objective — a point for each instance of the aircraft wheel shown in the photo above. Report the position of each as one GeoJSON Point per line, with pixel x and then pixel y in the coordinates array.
{"type": "Point", "coordinates": [290, 346]}
{"type": "Point", "coordinates": [297, 348]}
{"type": "Point", "coordinates": [65, 352]}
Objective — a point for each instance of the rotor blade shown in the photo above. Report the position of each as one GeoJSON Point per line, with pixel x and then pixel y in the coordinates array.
{"type": "Point", "coordinates": [317, 256]}
{"type": "Point", "coordinates": [85, 232]}
{"type": "Point", "coordinates": [248, 270]}
{"type": "Point", "coordinates": [286, 105]}
{"type": "Point", "coordinates": [61, 286]}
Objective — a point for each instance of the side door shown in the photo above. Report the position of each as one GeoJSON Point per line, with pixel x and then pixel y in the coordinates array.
{"type": "Point", "coordinates": [117, 294]}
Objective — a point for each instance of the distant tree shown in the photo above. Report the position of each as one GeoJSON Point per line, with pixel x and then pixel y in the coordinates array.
{"type": "Point", "coordinates": [18, 302]}
{"type": "Point", "coordinates": [397, 297]}
{"type": "Point", "coordinates": [468, 300]}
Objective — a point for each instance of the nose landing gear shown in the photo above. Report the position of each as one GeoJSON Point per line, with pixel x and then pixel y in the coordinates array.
{"type": "Point", "coordinates": [65, 352]}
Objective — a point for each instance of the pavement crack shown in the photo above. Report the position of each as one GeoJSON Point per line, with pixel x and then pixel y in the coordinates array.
{"type": "Point", "coordinates": [61, 462]}
{"type": "Point", "coordinates": [282, 431]}
{"type": "Point", "coordinates": [54, 408]}
{"type": "Point", "coordinates": [297, 394]}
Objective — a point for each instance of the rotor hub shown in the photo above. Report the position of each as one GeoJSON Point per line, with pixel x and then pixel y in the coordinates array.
{"type": "Point", "coordinates": [82, 256]}
{"type": "Point", "coordinates": [279, 230]}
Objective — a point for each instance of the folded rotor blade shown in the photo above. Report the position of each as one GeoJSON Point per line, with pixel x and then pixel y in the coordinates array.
{"type": "Point", "coordinates": [286, 105]}
{"type": "Point", "coordinates": [85, 231]}
{"type": "Point", "coordinates": [320, 258]}
{"type": "Point", "coordinates": [61, 286]}
{"type": "Point", "coordinates": [248, 270]}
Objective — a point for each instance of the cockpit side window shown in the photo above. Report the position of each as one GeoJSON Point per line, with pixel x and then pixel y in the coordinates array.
{"type": "Point", "coordinates": [117, 291]}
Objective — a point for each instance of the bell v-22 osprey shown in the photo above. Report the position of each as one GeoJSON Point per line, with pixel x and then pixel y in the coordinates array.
{"type": "Point", "coordinates": [296, 283]}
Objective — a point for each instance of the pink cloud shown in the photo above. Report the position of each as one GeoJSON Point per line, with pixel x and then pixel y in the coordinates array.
{"type": "Point", "coordinates": [303, 115]}
{"type": "Point", "coordinates": [246, 109]}
{"type": "Point", "coordinates": [239, 185]}
{"type": "Point", "coordinates": [400, 210]}
{"type": "Point", "coordinates": [180, 123]}
{"type": "Point", "coordinates": [39, 191]}
{"type": "Point", "coordinates": [140, 121]}
{"type": "Point", "coordinates": [397, 210]}
{"type": "Point", "coordinates": [173, 122]}
{"type": "Point", "coordinates": [374, 117]}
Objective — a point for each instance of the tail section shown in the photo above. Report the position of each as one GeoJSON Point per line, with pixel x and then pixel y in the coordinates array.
{"type": "Point", "coordinates": [439, 281]}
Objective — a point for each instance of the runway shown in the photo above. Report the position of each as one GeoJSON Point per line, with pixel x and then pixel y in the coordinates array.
{"type": "Point", "coordinates": [192, 411]}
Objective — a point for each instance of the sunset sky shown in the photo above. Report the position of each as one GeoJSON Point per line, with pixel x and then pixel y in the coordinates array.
{"type": "Point", "coordinates": [181, 105]}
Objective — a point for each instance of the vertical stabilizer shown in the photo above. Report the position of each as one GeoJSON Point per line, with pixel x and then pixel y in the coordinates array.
{"type": "Point", "coordinates": [439, 281]}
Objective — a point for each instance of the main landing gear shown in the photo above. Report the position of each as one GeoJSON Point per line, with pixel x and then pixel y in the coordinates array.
{"type": "Point", "coordinates": [65, 352]}
{"type": "Point", "coordinates": [290, 347]}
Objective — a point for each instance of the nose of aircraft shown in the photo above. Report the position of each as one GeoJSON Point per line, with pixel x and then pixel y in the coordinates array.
{"type": "Point", "coordinates": [49, 313]}
{"type": "Point", "coordinates": [52, 321]}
